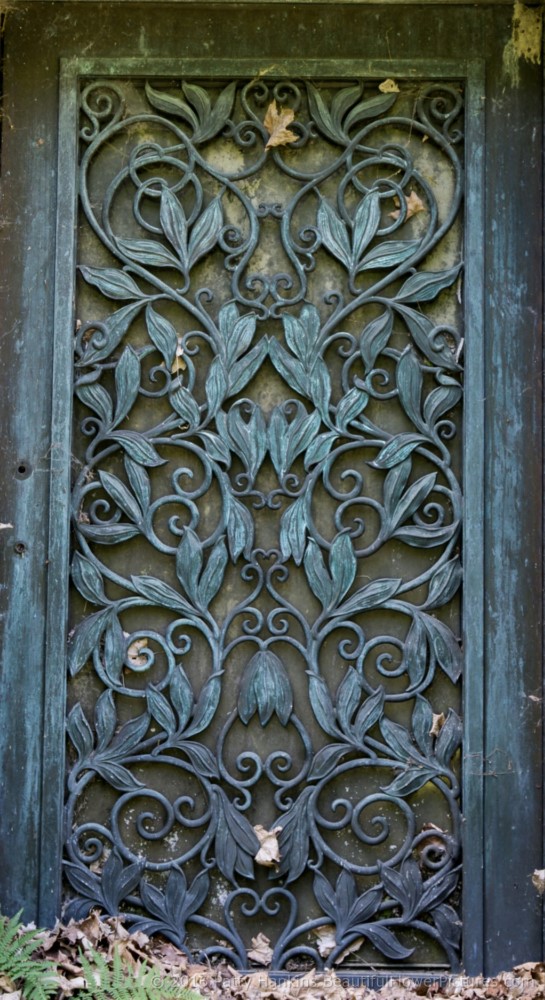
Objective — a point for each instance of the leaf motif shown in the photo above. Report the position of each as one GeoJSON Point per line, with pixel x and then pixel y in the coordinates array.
{"type": "Point", "coordinates": [325, 896]}
{"type": "Point", "coordinates": [216, 448]}
{"type": "Point", "coordinates": [288, 367]}
{"type": "Point", "coordinates": [129, 737]}
{"type": "Point", "coordinates": [206, 706]}
{"type": "Point", "coordinates": [111, 282]}
{"type": "Point", "coordinates": [181, 696]}
{"type": "Point", "coordinates": [160, 710]}
{"type": "Point", "coordinates": [412, 500]}
{"type": "Point", "coordinates": [424, 286]}
{"type": "Point", "coordinates": [326, 759]}
{"type": "Point", "coordinates": [423, 332]}
{"type": "Point", "coordinates": [449, 739]}
{"type": "Point", "coordinates": [88, 580]}
{"type": "Point", "coordinates": [127, 383]}
{"type": "Point", "coordinates": [96, 398]}
{"type": "Point", "coordinates": [138, 448]}
{"type": "Point", "coordinates": [347, 698]}
{"type": "Point", "coordinates": [174, 225]}
{"type": "Point", "coordinates": [114, 650]}
{"type": "Point", "coordinates": [372, 107]}
{"type": "Point", "coordinates": [116, 775]}
{"type": "Point", "coordinates": [213, 574]}
{"type": "Point", "coordinates": [189, 563]}
{"type": "Point", "coordinates": [334, 233]}
{"type": "Point", "coordinates": [369, 713]}
{"type": "Point", "coordinates": [243, 370]}
{"type": "Point", "coordinates": [172, 106]}
{"type": "Point", "coordinates": [350, 407]}
{"type": "Point", "coordinates": [444, 583]}
{"type": "Point", "coordinates": [140, 482]}
{"type": "Point", "coordinates": [214, 120]}
{"type": "Point", "coordinates": [371, 596]}
{"type": "Point", "coordinates": [397, 450]}
{"type": "Point", "coordinates": [342, 565]}
{"type": "Point", "coordinates": [321, 702]}
{"type": "Point", "coordinates": [320, 388]}
{"type": "Point", "coordinates": [409, 385]}
{"type": "Point", "coordinates": [410, 781]}
{"type": "Point", "coordinates": [111, 534]}
{"type": "Point", "coordinates": [293, 838]}
{"type": "Point", "coordinates": [366, 223]}
{"type": "Point", "coordinates": [415, 651]}
{"type": "Point", "coordinates": [293, 529]}
{"type": "Point", "coordinates": [205, 231]}
{"type": "Point", "coordinates": [160, 594]}
{"type": "Point", "coordinates": [148, 252]}
{"type": "Point", "coordinates": [202, 759]}
{"type": "Point", "coordinates": [162, 334]}
{"type": "Point", "coordinates": [317, 575]}
{"type": "Point", "coordinates": [86, 639]}
{"type": "Point", "coordinates": [105, 719]}
{"type": "Point", "coordinates": [321, 115]}
{"type": "Point", "coordinates": [121, 495]}
{"type": "Point", "coordinates": [80, 732]}
{"type": "Point", "coordinates": [237, 336]}
{"type": "Point", "coordinates": [375, 337]}
{"type": "Point", "coordinates": [240, 530]}
{"type": "Point", "coordinates": [186, 405]}
{"type": "Point", "coordinates": [386, 942]}
{"type": "Point", "coordinates": [319, 449]}
{"type": "Point", "coordinates": [216, 386]}
{"type": "Point", "coordinates": [446, 648]}
{"type": "Point", "coordinates": [390, 253]}
{"type": "Point", "coordinates": [113, 330]}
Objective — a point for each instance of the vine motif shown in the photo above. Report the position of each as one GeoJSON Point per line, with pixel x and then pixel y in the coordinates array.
{"type": "Point", "coordinates": [352, 459]}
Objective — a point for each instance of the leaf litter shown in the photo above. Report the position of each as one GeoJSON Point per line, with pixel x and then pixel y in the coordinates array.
{"type": "Point", "coordinates": [65, 944]}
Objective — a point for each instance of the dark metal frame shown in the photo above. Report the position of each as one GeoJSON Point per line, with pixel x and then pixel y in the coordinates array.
{"type": "Point", "coordinates": [497, 525]}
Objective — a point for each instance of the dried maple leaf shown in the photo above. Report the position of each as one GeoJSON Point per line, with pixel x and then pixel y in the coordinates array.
{"type": "Point", "coordinates": [133, 653]}
{"type": "Point", "coordinates": [276, 122]}
{"type": "Point", "coordinates": [437, 724]}
{"type": "Point", "coordinates": [414, 205]}
{"type": "Point", "coordinates": [261, 952]}
{"type": "Point", "coordinates": [178, 365]}
{"type": "Point", "coordinates": [326, 939]}
{"type": "Point", "coordinates": [269, 851]}
{"type": "Point", "coordinates": [388, 86]}
{"type": "Point", "coordinates": [538, 880]}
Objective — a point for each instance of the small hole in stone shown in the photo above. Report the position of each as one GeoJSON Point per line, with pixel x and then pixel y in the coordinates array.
{"type": "Point", "coordinates": [20, 548]}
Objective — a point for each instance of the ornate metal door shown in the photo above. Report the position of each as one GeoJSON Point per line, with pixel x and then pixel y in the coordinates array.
{"type": "Point", "coordinates": [264, 719]}
{"type": "Point", "coordinates": [278, 314]}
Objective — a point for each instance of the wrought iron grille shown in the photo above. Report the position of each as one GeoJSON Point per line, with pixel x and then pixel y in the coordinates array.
{"type": "Point", "coordinates": [263, 727]}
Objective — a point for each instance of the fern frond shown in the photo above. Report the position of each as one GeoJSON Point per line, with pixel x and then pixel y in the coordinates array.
{"type": "Point", "coordinates": [121, 982]}
{"type": "Point", "coordinates": [36, 977]}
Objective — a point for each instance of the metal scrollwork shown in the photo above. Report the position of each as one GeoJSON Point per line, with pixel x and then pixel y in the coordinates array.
{"type": "Point", "coordinates": [267, 518]}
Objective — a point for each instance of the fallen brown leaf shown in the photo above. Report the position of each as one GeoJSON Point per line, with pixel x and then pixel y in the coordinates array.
{"type": "Point", "coordinates": [538, 880]}
{"type": "Point", "coordinates": [388, 86]}
{"type": "Point", "coordinates": [276, 123]}
{"type": "Point", "coordinates": [133, 653]}
{"type": "Point", "coordinates": [269, 851]}
{"type": "Point", "coordinates": [261, 952]}
{"type": "Point", "coordinates": [414, 205]}
{"type": "Point", "coordinates": [179, 364]}
{"type": "Point", "coordinates": [437, 724]}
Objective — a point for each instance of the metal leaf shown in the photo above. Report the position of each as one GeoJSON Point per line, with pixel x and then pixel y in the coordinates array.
{"type": "Point", "coordinates": [423, 332]}
{"type": "Point", "coordinates": [410, 781]}
{"type": "Point", "coordinates": [397, 450]}
{"type": "Point", "coordinates": [162, 334]}
{"type": "Point", "coordinates": [293, 838]}
{"type": "Point", "coordinates": [138, 448]}
{"type": "Point", "coordinates": [110, 534]}
{"type": "Point", "coordinates": [409, 384]}
{"type": "Point", "coordinates": [446, 648]}
{"type": "Point", "coordinates": [342, 565]}
{"type": "Point", "coordinates": [424, 286]}
{"type": "Point", "coordinates": [140, 482]}
{"type": "Point", "coordinates": [181, 696]}
{"type": "Point", "coordinates": [374, 338]}
{"type": "Point", "coordinates": [206, 706]}
{"type": "Point", "coordinates": [415, 656]}
{"type": "Point", "coordinates": [105, 719]}
{"type": "Point", "coordinates": [86, 639]}
{"type": "Point", "coordinates": [372, 107]}
{"type": "Point", "coordinates": [189, 563]}
{"type": "Point", "coordinates": [114, 649]}
{"type": "Point", "coordinates": [213, 574]}
{"type": "Point", "coordinates": [291, 370]}
{"type": "Point", "coordinates": [97, 399]}
{"type": "Point", "coordinates": [319, 449]}
{"type": "Point", "coordinates": [174, 225]}
{"type": "Point", "coordinates": [113, 329]}
{"type": "Point", "coordinates": [205, 231]}
{"type": "Point", "coordinates": [334, 233]}
{"type": "Point", "coordinates": [350, 407]}
{"type": "Point", "coordinates": [216, 386]}
{"type": "Point", "coordinates": [369, 713]}
{"type": "Point", "coordinates": [113, 283]}
{"type": "Point", "coordinates": [326, 759]}
{"type": "Point", "coordinates": [159, 593]}
{"type": "Point", "coordinates": [121, 495]}
{"type": "Point", "coordinates": [172, 106]}
{"type": "Point", "coordinates": [160, 710]}
{"type": "Point", "coordinates": [403, 886]}
{"type": "Point", "coordinates": [348, 698]}
{"type": "Point", "coordinates": [449, 739]}
{"type": "Point", "coordinates": [321, 702]}
{"type": "Point", "coordinates": [183, 401]}
{"type": "Point", "coordinates": [245, 369]}
{"type": "Point", "coordinates": [321, 115]}
{"type": "Point", "coordinates": [88, 580]}
{"type": "Point", "coordinates": [240, 530]}
{"type": "Point", "coordinates": [365, 225]}
{"type": "Point", "coordinates": [371, 596]}
{"type": "Point", "coordinates": [389, 254]}
{"type": "Point", "coordinates": [80, 732]}
{"type": "Point", "coordinates": [148, 252]}
{"type": "Point", "coordinates": [116, 775]}
{"type": "Point", "coordinates": [126, 742]}
{"type": "Point", "coordinates": [317, 575]}
{"type": "Point", "coordinates": [412, 500]}
{"type": "Point", "coordinates": [202, 759]}
{"type": "Point", "coordinates": [444, 583]}
{"type": "Point", "coordinates": [385, 941]}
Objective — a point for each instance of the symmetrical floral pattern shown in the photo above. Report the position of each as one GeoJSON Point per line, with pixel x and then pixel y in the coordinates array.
{"type": "Point", "coordinates": [267, 519]}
